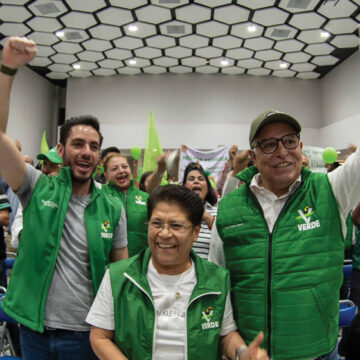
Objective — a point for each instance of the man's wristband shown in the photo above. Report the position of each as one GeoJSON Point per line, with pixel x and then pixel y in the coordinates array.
{"type": "Point", "coordinates": [240, 350]}
{"type": "Point", "coordinates": [7, 70]}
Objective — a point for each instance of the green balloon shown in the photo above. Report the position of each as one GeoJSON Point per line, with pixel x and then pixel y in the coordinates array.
{"type": "Point", "coordinates": [329, 155]}
{"type": "Point", "coordinates": [136, 152]}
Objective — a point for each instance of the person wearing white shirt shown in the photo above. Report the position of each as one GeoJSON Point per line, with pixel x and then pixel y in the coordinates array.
{"type": "Point", "coordinates": [167, 302]}
{"type": "Point", "coordinates": [280, 234]}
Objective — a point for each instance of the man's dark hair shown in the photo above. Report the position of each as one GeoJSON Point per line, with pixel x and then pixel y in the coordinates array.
{"type": "Point", "coordinates": [87, 120]}
{"type": "Point", "coordinates": [189, 201]}
{"type": "Point", "coordinates": [211, 197]}
{"type": "Point", "coordinates": [111, 149]}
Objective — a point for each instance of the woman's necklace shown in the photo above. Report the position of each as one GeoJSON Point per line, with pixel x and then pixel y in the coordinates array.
{"type": "Point", "coordinates": [179, 284]}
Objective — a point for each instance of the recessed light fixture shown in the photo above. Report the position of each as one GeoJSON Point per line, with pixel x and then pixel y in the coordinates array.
{"type": "Point", "coordinates": [76, 66]}
{"type": "Point", "coordinates": [251, 28]}
{"type": "Point", "coordinates": [60, 34]}
{"type": "Point", "coordinates": [325, 34]}
{"type": "Point", "coordinates": [132, 61]}
{"type": "Point", "coordinates": [133, 28]}
{"type": "Point", "coordinates": [284, 65]}
{"type": "Point", "coordinates": [224, 62]}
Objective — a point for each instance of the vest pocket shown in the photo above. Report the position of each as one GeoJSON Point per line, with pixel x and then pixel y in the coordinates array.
{"type": "Point", "coordinates": [300, 323]}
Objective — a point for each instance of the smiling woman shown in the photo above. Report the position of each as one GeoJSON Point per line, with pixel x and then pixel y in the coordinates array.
{"type": "Point", "coordinates": [121, 187]}
{"type": "Point", "coordinates": [167, 292]}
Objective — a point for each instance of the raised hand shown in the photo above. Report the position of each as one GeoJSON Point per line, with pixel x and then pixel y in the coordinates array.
{"type": "Point", "coordinates": [18, 51]}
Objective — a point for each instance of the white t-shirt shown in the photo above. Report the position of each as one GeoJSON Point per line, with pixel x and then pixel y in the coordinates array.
{"type": "Point", "coordinates": [170, 310]}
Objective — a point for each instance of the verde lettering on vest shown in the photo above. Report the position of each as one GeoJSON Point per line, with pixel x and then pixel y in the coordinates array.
{"type": "Point", "coordinates": [301, 276]}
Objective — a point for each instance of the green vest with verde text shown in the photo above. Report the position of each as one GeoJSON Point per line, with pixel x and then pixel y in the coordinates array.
{"type": "Point", "coordinates": [135, 204]}
{"type": "Point", "coordinates": [285, 283]}
{"type": "Point", "coordinates": [135, 313]}
{"type": "Point", "coordinates": [43, 223]}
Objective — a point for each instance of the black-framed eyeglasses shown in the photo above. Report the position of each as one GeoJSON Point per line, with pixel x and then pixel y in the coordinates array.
{"type": "Point", "coordinates": [270, 145]}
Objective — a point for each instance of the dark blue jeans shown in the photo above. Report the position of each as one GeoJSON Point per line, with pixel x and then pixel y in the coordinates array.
{"type": "Point", "coordinates": [331, 356]}
{"type": "Point", "coordinates": [55, 345]}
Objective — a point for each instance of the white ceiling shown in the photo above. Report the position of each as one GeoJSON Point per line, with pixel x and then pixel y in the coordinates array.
{"type": "Point", "coordinates": [184, 36]}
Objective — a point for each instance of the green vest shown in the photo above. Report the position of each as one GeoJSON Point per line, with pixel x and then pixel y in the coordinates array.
{"type": "Point", "coordinates": [135, 204]}
{"type": "Point", "coordinates": [44, 219]}
{"type": "Point", "coordinates": [356, 250]}
{"type": "Point", "coordinates": [135, 313]}
{"type": "Point", "coordinates": [287, 282]}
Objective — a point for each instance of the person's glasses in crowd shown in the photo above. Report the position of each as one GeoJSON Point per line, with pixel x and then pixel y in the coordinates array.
{"type": "Point", "coordinates": [174, 228]}
{"type": "Point", "coordinates": [270, 145]}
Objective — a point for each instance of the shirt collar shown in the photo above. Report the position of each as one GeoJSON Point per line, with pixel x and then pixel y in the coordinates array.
{"type": "Point", "coordinates": [254, 186]}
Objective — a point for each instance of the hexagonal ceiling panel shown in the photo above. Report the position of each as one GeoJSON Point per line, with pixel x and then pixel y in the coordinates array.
{"type": "Point", "coordinates": [283, 38]}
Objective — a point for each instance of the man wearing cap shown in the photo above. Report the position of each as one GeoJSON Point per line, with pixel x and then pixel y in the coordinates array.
{"type": "Point", "coordinates": [51, 162]}
{"type": "Point", "coordinates": [50, 166]}
{"type": "Point", "coordinates": [281, 235]}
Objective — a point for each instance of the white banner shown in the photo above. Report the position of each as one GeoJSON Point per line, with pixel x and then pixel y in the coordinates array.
{"type": "Point", "coordinates": [314, 154]}
{"type": "Point", "coordinates": [212, 160]}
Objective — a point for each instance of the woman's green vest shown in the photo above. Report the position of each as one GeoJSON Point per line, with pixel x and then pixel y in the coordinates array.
{"type": "Point", "coordinates": [135, 313]}
{"type": "Point", "coordinates": [135, 204]}
{"type": "Point", "coordinates": [285, 283]}
{"type": "Point", "coordinates": [43, 223]}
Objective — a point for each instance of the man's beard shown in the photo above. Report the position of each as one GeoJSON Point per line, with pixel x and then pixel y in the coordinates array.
{"type": "Point", "coordinates": [74, 178]}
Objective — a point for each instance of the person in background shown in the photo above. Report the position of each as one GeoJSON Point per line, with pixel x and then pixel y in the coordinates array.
{"type": "Point", "coordinates": [51, 164]}
{"type": "Point", "coordinates": [229, 165]}
{"type": "Point", "coordinates": [72, 230]}
{"type": "Point", "coordinates": [121, 186]}
{"type": "Point", "coordinates": [241, 162]}
{"type": "Point", "coordinates": [167, 302]}
{"type": "Point", "coordinates": [105, 153]}
{"type": "Point", "coordinates": [305, 161]}
{"type": "Point", "coordinates": [281, 235]}
{"type": "Point", "coordinates": [5, 210]}
{"type": "Point", "coordinates": [151, 179]}
{"type": "Point", "coordinates": [197, 181]}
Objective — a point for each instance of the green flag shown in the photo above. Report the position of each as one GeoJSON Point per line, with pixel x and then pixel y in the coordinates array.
{"type": "Point", "coordinates": [44, 147]}
{"type": "Point", "coordinates": [153, 146]}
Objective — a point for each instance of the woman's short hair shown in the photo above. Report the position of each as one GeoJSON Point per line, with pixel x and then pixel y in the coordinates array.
{"type": "Point", "coordinates": [211, 197]}
{"type": "Point", "coordinates": [106, 164]}
{"type": "Point", "coordinates": [188, 200]}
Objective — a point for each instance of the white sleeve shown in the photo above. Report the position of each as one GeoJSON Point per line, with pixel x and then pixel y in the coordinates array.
{"type": "Point", "coordinates": [17, 227]}
{"type": "Point", "coordinates": [228, 324]}
{"type": "Point", "coordinates": [345, 182]}
{"type": "Point", "coordinates": [101, 313]}
{"type": "Point", "coordinates": [216, 250]}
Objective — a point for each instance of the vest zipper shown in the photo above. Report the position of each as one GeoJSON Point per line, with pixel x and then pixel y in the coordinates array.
{"type": "Point", "coordinates": [269, 302]}
{"type": "Point", "coordinates": [186, 328]}
{"type": "Point", "coordinates": [153, 304]}
{"type": "Point", "coordinates": [269, 296]}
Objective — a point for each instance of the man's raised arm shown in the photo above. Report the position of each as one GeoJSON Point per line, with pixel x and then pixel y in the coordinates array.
{"type": "Point", "coordinates": [16, 52]}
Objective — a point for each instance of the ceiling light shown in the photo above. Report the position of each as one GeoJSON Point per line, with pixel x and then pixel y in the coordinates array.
{"type": "Point", "coordinates": [224, 62]}
{"type": "Point", "coordinates": [325, 34]}
{"type": "Point", "coordinates": [60, 34]}
{"type": "Point", "coordinates": [284, 65]}
{"type": "Point", "coordinates": [251, 28]}
{"type": "Point", "coordinates": [132, 61]}
{"type": "Point", "coordinates": [133, 28]}
{"type": "Point", "coordinates": [76, 66]}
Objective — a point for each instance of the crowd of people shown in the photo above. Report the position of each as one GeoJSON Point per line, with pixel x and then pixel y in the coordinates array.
{"type": "Point", "coordinates": [111, 266]}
